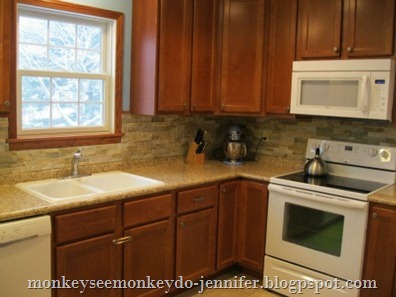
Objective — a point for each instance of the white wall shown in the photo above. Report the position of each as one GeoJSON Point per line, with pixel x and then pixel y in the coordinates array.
{"type": "Point", "coordinates": [124, 6]}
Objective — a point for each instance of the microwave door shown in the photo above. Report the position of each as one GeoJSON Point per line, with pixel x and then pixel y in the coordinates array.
{"type": "Point", "coordinates": [337, 94]}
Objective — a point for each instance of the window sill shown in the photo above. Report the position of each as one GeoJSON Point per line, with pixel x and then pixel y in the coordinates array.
{"type": "Point", "coordinates": [58, 142]}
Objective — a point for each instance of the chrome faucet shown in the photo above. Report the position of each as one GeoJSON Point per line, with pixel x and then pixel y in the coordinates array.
{"type": "Point", "coordinates": [76, 158]}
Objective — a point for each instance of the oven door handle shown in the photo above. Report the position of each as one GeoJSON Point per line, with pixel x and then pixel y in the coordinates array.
{"type": "Point", "coordinates": [319, 197]}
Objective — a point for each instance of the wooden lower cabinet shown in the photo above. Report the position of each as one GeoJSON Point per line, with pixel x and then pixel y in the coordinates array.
{"type": "Point", "coordinates": [191, 234]}
{"type": "Point", "coordinates": [92, 259]}
{"type": "Point", "coordinates": [196, 244]}
{"type": "Point", "coordinates": [380, 257]}
{"type": "Point", "coordinates": [227, 235]}
{"type": "Point", "coordinates": [150, 253]}
{"type": "Point", "coordinates": [252, 224]}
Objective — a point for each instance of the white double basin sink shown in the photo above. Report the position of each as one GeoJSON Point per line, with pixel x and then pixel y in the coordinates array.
{"type": "Point", "coordinates": [59, 190]}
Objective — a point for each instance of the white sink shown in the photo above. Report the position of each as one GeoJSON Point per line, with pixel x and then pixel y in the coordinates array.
{"type": "Point", "coordinates": [56, 190]}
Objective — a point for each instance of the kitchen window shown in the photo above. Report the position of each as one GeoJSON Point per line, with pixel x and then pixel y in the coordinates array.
{"type": "Point", "coordinates": [68, 81]}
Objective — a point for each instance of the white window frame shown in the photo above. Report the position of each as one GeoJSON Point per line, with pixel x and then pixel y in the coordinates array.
{"type": "Point", "coordinates": [107, 73]}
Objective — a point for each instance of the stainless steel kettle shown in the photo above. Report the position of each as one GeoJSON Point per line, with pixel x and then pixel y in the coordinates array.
{"type": "Point", "coordinates": [316, 166]}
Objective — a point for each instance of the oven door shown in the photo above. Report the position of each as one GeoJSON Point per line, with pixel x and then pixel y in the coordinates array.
{"type": "Point", "coordinates": [318, 231]}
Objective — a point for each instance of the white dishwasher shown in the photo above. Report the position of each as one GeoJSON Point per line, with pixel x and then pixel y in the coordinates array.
{"type": "Point", "coordinates": [25, 254]}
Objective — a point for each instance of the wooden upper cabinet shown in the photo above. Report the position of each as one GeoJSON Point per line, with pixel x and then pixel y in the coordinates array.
{"type": "Point", "coordinates": [174, 64]}
{"type": "Point", "coordinates": [346, 29]}
{"type": "Point", "coordinates": [370, 28]}
{"type": "Point", "coordinates": [320, 28]}
{"type": "Point", "coordinates": [241, 85]}
{"type": "Point", "coordinates": [281, 53]}
{"type": "Point", "coordinates": [7, 51]}
{"type": "Point", "coordinates": [173, 56]}
{"type": "Point", "coordinates": [204, 53]}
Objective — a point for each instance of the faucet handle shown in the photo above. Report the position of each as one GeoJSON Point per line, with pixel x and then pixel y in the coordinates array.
{"type": "Point", "coordinates": [78, 154]}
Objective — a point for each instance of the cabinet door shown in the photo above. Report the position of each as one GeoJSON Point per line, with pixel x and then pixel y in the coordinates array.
{"type": "Point", "coordinates": [149, 253]}
{"type": "Point", "coordinates": [319, 29]}
{"type": "Point", "coordinates": [380, 258]}
{"type": "Point", "coordinates": [144, 60]}
{"type": "Point", "coordinates": [227, 238]}
{"type": "Point", "coordinates": [7, 50]}
{"type": "Point", "coordinates": [92, 259]}
{"type": "Point", "coordinates": [203, 80]}
{"type": "Point", "coordinates": [370, 28]}
{"type": "Point", "coordinates": [196, 244]}
{"type": "Point", "coordinates": [174, 65]}
{"type": "Point", "coordinates": [282, 39]}
{"type": "Point", "coordinates": [252, 224]}
{"type": "Point", "coordinates": [242, 56]}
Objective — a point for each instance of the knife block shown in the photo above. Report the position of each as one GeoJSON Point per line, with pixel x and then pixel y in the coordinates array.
{"type": "Point", "coordinates": [192, 157]}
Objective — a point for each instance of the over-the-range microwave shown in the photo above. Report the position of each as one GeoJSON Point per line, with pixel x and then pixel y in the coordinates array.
{"type": "Point", "coordinates": [344, 88]}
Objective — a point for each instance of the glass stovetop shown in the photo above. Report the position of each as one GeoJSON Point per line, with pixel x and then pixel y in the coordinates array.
{"type": "Point", "coordinates": [335, 182]}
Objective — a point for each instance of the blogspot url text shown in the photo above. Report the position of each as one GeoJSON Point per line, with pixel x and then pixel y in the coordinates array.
{"type": "Point", "coordinates": [238, 282]}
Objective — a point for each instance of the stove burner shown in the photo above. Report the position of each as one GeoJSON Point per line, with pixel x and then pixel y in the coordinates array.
{"type": "Point", "coordinates": [336, 182]}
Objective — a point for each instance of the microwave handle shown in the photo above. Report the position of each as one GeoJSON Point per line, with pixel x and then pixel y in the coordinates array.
{"type": "Point", "coordinates": [365, 94]}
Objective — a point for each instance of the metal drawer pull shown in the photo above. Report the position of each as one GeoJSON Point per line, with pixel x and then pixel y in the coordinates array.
{"type": "Point", "coordinates": [181, 224]}
{"type": "Point", "coordinates": [199, 199]}
{"type": "Point", "coordinates": [122, 240]}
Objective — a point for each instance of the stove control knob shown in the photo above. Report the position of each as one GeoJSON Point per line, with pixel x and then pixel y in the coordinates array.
{"type": "Point", "coordinates": [385, 155]}
{"type": "Point", "coordinates": [372, 152]}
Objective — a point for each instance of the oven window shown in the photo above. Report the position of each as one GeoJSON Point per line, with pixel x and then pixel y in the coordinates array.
{"type": "Point", "coordinates": [312, 228]}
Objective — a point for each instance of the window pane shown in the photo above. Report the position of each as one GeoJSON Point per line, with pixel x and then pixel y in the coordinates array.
{"type": "Point", "coordinates": [65, 89]}
{"type": "Point", "coordinates": [35, 89]}
{"type": "Point", "coordinates": [89, 37]}
{"type": "Point", "coordinates": [33, 30]}
{"type": "Point", "coordinates": [62, 34]}
{"type": "Point", "coordinates": [64, 115]}
{"type": "Point", "coordinates": [88, 61]}
{"type": "Point", "coordinates": [91, 90]}
{"type": "Point", "coordinates": [32, 57]}
{"type": "Point", "coordinates": [91, 115]}
{"type": "Point", "coordinates": [62, 59]}
{"type": "Point", "coordinates": [35, 115]}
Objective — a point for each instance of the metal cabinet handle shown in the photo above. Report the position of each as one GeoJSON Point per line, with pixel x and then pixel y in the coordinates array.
{"type": "Point", "coordinates": [349, 49]}
{"type": "Point", "coordinates": [224, 190]}
{"type": "Point", "coordinates": [335, 49]}
{"type": "Point", "coordinates": [7, 103]}
{"type": "Point", "coordinates": [122, 240]}
{"type": "Point", "coordinates": [199, 199]}
{"type": "Point", "coordinates": [181, 224]}
{"type": "Point", "coordinates": [374, 215]}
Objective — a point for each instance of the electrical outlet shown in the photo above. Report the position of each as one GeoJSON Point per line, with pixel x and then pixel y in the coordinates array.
{"type": "Point", "coordinates": [266, 136]}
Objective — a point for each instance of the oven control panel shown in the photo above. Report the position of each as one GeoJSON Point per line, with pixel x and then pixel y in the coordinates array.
{"type": "Point", "coordinates": [358, 154]}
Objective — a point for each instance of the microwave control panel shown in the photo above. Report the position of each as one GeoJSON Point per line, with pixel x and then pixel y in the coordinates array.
{"type": "Point", "coordinates": [379, 92]}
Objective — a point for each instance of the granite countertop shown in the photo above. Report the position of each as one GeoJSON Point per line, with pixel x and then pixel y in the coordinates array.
{"type": "Point", "coordinates": [15, 203]}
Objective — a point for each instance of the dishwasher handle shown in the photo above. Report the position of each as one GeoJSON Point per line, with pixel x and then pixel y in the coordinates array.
{"type": "Point", "coordinates": [11, 241]}
{"type": "Point", "coordinates": [319, 197]}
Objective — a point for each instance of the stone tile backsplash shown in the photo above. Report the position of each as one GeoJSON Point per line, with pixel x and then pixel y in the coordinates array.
{"type": "Point", "coordinates": [148, 137]}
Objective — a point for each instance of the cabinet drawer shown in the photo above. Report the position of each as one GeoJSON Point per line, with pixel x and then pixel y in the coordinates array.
{"type": "Point", "coordinates": [146, 210]}
{"type": "Point", "coordinates": [196, 199]}
{"type": "Point", "coordinates": [86, 223]}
